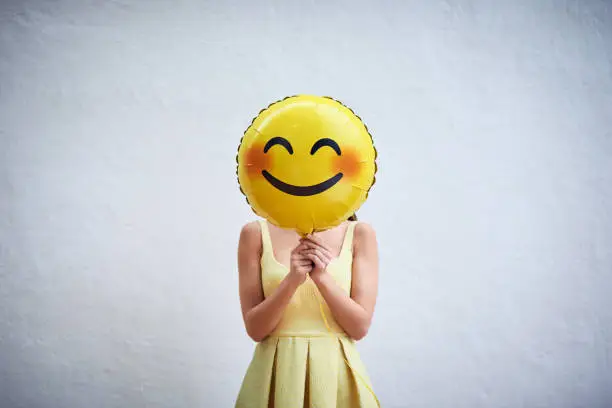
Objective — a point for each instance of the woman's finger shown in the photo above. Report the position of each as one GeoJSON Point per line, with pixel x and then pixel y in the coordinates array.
{"type": "Point", "coordinates": [317, 262]}
{"type": "Point", "coordinates": [299, 257]}
{"type": "Point", "coordinates": [326, 250]}
{"type": "Point", "coordinates": [301, 246]}
{"type": "Point", "coordinates": [318, 241]}
{"type": "Point", "coordinates": [322, 255]}
{"type": "Point", "coordinates": [315, 245]}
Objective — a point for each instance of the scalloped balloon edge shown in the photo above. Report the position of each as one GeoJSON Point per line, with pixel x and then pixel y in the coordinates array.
{"type": "Point", "coordinates": [296, 96]}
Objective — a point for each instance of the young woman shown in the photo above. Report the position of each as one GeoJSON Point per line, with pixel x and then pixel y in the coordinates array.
{"type": "Point", "coordinates": [305, 302]}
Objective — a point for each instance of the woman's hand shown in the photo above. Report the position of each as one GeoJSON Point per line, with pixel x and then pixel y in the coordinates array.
{"type": "Point", "coordinates": [262, 314]}
{"type": "Point", "coordinates": [300, 265]}
{"type": "Point", "coordinates": [352, 310]}
{"type": "Point", "coordinates": [317, 252]}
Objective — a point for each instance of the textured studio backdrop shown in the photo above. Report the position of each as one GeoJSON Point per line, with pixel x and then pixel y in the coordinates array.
{"type": "Point", "coordinates": [120, 210]}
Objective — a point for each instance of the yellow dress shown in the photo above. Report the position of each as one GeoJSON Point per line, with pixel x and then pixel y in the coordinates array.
{"type": "Point", "coordinates": [303, 363]}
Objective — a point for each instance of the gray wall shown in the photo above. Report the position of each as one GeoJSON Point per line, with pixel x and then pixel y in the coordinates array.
{"type": "Point", "coordinates": [120, 212]}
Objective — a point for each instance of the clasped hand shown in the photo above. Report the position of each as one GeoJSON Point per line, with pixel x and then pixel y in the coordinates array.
{"type": "Point", "coordinates": [310, 257]}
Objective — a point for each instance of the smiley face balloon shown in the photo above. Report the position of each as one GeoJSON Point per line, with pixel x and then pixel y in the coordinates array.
{"type": "Point", "coordinates": [306, 163]}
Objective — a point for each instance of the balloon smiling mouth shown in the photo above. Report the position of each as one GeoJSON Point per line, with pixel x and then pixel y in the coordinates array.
{"type": "Point", "coordinates": [302, 191]}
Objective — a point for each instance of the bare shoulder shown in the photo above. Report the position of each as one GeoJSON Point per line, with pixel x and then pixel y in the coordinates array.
{"type": "Point", "coordinates": [250, 236]}
{"type": "Point", "coordinates": [364, 231]}
{"type": "Point", "coordinates": [364, 237]}
{"type": "Point", "coordinates": [249, 229]}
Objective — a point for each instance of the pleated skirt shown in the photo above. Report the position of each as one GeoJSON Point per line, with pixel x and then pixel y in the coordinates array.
{"type": "Point", "coordinates": [309, 372]}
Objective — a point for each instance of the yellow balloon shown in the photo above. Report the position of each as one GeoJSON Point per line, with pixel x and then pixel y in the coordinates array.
{"type": "Point", "coordinates": [306, 163]}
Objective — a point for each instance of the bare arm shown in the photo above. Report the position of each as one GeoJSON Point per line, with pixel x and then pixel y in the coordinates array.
{"type": "Point", "coordinates": [353, 312]}
{"type": "Point", "coordinates": [261, 315]}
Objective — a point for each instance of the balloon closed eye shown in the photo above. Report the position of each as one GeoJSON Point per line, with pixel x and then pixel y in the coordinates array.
{"type": "Point", "coordinates": [278, 141]}
{"type": "Point", "coordinates": [326, 142]}
{"type": "Point", "coordinates": [302, 191]}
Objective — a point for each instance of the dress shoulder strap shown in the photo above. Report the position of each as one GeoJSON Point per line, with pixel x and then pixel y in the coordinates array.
{"type": "Point", "coordinates": [266, 241]}
{"type": "Point", "coordinates": [347, 245]}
